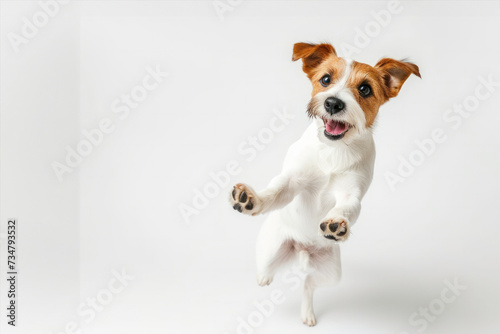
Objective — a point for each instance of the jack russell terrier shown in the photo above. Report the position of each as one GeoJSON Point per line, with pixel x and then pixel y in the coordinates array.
{"type": "Point", "coordinates": [326, 172]}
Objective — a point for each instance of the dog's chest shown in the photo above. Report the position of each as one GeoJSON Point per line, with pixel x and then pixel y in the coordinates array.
{"type": "Point", "coordinates": [314, 202]}
{"type": "Point", "coordinates": [325, 198]}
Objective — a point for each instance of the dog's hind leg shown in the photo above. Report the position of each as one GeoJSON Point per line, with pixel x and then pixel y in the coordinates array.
{"type": "Point", "coordinates": [274, 249]}
{"type": "Point", "coordinates": [307, 311]}
{"type": "Point", "coordinates": [327, 271]}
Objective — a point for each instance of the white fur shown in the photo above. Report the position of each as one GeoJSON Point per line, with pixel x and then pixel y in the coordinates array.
{"type": "Point", "coordinates": [321, 180]}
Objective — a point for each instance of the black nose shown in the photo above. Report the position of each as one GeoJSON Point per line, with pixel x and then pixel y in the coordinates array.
{"type": "Point", "coordinates": [333, 105]}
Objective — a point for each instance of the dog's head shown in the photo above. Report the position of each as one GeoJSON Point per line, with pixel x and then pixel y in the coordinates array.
{"type": "Point", "coordinates": [346, 94]}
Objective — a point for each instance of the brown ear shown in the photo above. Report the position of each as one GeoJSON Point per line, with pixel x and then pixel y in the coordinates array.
{"type": "Point", "coordinates": [395, 73]}
{"type": "Point", "coordinates": [311, 54]}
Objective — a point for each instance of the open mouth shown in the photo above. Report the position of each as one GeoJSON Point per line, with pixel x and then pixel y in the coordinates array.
{"type": "Point", "coordinates": [335, 130]}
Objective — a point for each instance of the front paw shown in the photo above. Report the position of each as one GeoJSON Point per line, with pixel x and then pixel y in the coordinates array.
{"type": "Point", "coordinates": [335, 229]}
{"type": "Point", "coordinates": [245, 200]}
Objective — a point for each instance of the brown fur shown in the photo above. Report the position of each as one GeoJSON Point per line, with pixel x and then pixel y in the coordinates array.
{"type": "Point", "coordinates": [366, 74]}
{"type": "Point", "coordinates": [394, 73]}
{"type": "Point", "coordinates": [312, 55]}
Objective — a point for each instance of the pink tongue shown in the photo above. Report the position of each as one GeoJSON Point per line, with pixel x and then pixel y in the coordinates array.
{"type": "Point", "coordinates": [334, 127]}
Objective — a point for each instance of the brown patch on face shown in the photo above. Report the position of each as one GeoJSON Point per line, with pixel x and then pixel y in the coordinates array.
{"type": "Point", "coordinates": [385, 79]}
{"type": "Point", "coordinates": [333, 66]}
{"type": "Point", "coordinates": [363, 74]}
{"type": "Point", "coordinates": [319, 60]}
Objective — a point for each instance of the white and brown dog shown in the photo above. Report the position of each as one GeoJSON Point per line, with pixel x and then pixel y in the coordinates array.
{"type": "Point", "coordinates": [326, 172]}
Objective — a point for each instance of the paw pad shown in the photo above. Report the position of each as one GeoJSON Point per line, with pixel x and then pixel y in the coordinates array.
{"type": "Point", "coordinates": [243, 199]}
{"type": "Point", "coordinates": [335, 229]}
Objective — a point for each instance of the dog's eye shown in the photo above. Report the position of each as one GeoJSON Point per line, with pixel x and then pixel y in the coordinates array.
{"type": "Point", "coordinates": [365, 90]}
{"type": "Point", "coordinates": [325, 80]}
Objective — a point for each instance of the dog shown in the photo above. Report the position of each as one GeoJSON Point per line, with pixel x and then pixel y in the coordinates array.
{"type": "Point", "coordinates": [316, 199]}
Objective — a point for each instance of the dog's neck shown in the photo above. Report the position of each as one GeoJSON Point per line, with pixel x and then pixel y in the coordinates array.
{"type": "Point", "coordinates": [336, 157]}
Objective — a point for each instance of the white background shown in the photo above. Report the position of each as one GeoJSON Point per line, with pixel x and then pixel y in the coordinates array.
{"type": "Point", "coordinates": [119, 209]}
